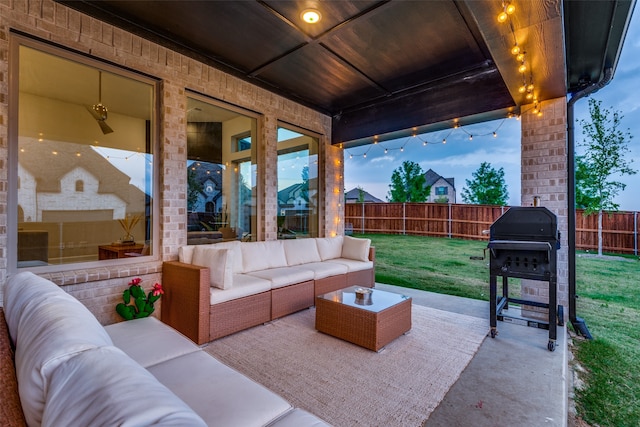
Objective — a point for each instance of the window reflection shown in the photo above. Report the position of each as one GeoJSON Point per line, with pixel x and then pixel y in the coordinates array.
{"type": "Point", "coordinates": [297, 184]}
{"type": "Point", "coordinates": [221, 173]}
{"type": "Point", "coordinates": [85, 161]}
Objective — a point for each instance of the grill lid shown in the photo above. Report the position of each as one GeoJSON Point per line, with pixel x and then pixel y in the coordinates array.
{"type": "Point", "coordinates": [525, 223]}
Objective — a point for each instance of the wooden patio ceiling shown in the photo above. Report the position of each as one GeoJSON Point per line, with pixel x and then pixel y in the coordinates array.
{"type": "Point", "coordinates": [388, 68]}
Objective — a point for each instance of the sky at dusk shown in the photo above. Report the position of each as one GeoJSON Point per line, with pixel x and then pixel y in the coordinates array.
{"type": "Point", "coordinates": [460, 157]}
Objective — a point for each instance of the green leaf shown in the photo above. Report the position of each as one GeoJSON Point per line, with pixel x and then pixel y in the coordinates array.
{"type": "Point", "coordinates": [125, 311]}
{"type": "Point", "coordinates": [140, 303]}
{"type": "Point", "coordinates": [137, 291]}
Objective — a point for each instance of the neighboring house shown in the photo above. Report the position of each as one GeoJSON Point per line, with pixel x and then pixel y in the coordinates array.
{"type": "Point", "coordinates": [443, 190]}
{"type": "Point", "coordinates": [208, 179]}
{"type": "Point", "coordinates": [354, 196]}
{"type": "Point", "coordinates": [294, 199]}
{"type": "Point", "coordinates": [92, 188]}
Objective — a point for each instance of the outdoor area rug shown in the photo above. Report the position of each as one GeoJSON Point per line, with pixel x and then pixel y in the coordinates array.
{"type": "Point", "coordinates": [347, 385]}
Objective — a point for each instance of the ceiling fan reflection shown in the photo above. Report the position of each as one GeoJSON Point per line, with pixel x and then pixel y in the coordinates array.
{"type": "Point", "coordinates": [99, 111]}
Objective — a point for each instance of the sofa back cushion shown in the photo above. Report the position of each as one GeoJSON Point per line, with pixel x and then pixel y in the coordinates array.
{"type": "Point", "coordinates": [355, 248]}
{"type": "Point", "coordinates": [48, 327]}
{"type": "Point", "coordinates": [185, 253]}
{"type": "Point", "coordinates": [262, 255]}
{"type": "Point", "coordinates": [329, 247]}
{"type": "Point", "coordinates": [220, 263]}
{"type": "Point", "coordinates": [301, 251]}
{"type": "Point", "coordinates": [104, 386]}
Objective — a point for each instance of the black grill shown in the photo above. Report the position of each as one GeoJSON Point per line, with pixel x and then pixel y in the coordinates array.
{"type": "Point", "coordinates": [523, 243]}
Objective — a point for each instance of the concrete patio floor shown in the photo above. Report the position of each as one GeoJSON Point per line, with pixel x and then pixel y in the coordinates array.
{"type": "Point", "coordinates": [513, 380]}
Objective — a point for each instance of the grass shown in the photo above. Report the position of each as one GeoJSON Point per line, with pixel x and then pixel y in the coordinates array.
{"type": "Point", "coordinates": [609, 302]}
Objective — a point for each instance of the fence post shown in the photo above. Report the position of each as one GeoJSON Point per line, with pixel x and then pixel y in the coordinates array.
{"type": "Point", "coordinates": [450, 221]}
{"type": "Point", "coordinates": [404, 219]}
{"type": "Point", "coordinates": [635, 233]}
{"type": "Point", "coordinates": [363, 218]}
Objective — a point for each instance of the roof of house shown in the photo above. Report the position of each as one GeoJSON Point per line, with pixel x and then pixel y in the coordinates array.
{"type": "Point", "coordinates": [354, 194]}
{"type": "Point", "coordinates": [431, 177]}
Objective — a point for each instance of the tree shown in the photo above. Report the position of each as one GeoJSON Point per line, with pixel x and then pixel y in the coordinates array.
{"type": "Point", "coordinates": [487, 187]}
{"type": "Point", "coordinates": [584, 197]}
{"type": "Point", "coordinates": [605, 149]}
{"type": "Point", "coordinates": [194, 188]}
{"type": "Point", "coordinates": [408, 184]}
{"type": "Point", "coordinates": [360, 195]}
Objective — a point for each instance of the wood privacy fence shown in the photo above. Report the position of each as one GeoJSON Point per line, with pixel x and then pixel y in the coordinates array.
{"type": "Point", "coordinates": [619, 229]}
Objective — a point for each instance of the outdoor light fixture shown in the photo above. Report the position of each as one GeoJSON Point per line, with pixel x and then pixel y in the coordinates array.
{"type": "Point", "coordinates": [311, 16]}
{"type": "Point", "coordinates": [507, 9]}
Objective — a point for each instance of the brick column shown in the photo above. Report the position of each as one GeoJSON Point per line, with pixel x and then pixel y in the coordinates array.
{"type": "Point", "coordinates": [544, 174]}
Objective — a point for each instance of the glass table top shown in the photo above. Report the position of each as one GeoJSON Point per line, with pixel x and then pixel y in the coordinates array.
{"type": "Point", "coordinates": [370, 299]}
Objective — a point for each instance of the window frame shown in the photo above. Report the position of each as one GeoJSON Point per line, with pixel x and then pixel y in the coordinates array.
{"type": "Point", "coordinates": [16, 40]}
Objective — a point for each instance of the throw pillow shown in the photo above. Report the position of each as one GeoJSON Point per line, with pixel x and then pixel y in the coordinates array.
{"type": "Point", "coordinates": [219, 262]}
{"type": "Point", "coordinates": [355, 248]}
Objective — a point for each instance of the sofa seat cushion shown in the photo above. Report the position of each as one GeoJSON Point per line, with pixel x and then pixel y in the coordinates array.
{"type": "Point", "coordinates": [48, 326]}
{"type": "Point", "coordinates": [301, 251]}
{"type": "Point", "coordinates": [322, 270]}
{"type": "Point", "coordinates": [352, 264]}
{"type": "Point", "coordinates": [298, 418]}
{"type": "Point", "coordinates": [104, 386]}
{"type": "Point", "coordinates": [284, 276]}
{"type": "Point", "coordinates": [219, 394]}
{"type": "Point", "coordinates": [148, 341]}
{"type": "Point", "coordinates": [262, 255]}
{"type": "Point", "coordinates": [243, 286]}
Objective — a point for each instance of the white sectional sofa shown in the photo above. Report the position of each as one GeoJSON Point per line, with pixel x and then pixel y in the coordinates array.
{"type": "Point", "coordinates": [71, 371]}
{"type": "Point", "coordinates": [218, 289]}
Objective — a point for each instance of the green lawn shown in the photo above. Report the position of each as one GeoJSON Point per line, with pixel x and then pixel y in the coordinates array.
{"type": "Point", "coordinates": [609, 291]}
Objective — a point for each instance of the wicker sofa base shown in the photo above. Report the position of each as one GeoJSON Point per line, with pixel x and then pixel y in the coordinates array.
{"type": "Point", "coordinates": [290, 299]}
{"type": "Point", "coordinates": [236, 315]}
{"type": "Point", "coordinates": [330, 284]}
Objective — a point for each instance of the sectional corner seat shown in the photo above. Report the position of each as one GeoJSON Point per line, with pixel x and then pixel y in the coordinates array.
{"type": "Point", "coordinates": [219, 289]}
{"type": "Point", "coordinates": [72, 371]}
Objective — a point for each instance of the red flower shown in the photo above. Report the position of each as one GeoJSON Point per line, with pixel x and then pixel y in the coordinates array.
{"type": "Point", "coordinates": [135, 281]}
{"type": "Point", "coordinates": [157, 290]}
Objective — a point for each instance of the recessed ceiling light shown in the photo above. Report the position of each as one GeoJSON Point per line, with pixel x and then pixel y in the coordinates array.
{"type": "Point", "coordinates": [311, 16]}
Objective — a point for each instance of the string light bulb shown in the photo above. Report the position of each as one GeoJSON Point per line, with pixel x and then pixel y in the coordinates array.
{"type": "Point", "coordinates": [495, 134]}
{"type": "Point", "coordinates": [508, 8]}
{"type": "Point", "coordinates": [515, 50]}
{"type": "Point", "coordinates": [523, 67]}
{"type": "Point", "coordinates": [470, 137]}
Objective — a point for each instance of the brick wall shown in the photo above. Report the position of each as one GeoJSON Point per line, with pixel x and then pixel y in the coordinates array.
{"type": "Point", "coordinates": [544, 174]}
{"type": "Point", "coordinates": [100, 289]}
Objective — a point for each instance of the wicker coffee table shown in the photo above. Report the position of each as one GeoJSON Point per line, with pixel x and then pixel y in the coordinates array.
{"type": "Point", "coordinates": [372, 321]}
